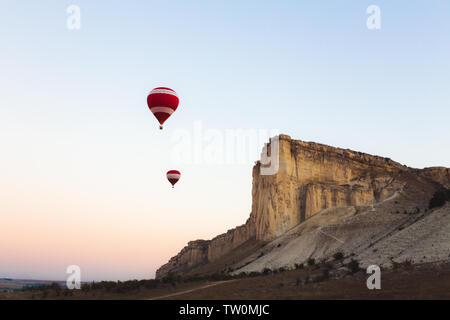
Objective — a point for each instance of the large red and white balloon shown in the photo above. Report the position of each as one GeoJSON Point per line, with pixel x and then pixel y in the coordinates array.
{"type": "Point", "coordinates": [173, 176]}
{"type": "Point", "coordinates": [162, 102]}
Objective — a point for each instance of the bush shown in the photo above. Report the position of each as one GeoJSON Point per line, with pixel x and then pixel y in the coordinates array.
{"type": "Point", "coordinates": [254, 274]}
{"type": "Point", "coordinates": [353, 265]}
{"type": "Point", "coordinates": [299, 266]}
{"type": "Point", "coordinates": [267, 271]}
{"type": "Point", "coordinates": [439, 198]}
{"type": "Point", "coordinates": [405, 264]}
{"type": "Point", "coordinates": [338, 256]}
{"type": "Point", "coordinates": [311, 261]}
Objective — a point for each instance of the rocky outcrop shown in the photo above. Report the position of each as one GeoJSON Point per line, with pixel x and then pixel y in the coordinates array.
{"type": "Point", "coordinates": [200, 252]}
{"type": "Point", "coordinates": [193, 255]}
{"type": "Point", "coordinates": [438, 174]}
{"type": "Point", "coordinates": [311, 177]}
{"type": "Point", "coordinates": [224, 243]}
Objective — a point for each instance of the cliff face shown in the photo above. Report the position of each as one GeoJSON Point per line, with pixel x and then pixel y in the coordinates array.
{"type": "Point", "coordinates": [438, 174]}
{"type": "Point", "coordinates": [193, 255]}
{"type": "Point", "coordinates": [311, 177]}
{"type": "Point", "coordinates": [200, 252]}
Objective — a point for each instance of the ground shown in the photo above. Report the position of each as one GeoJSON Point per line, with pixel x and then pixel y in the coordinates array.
{"type": "Point", "coordinates": [424, 281]}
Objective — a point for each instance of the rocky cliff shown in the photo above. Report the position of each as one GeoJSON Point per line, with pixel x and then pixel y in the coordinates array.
{"type": "Point", "coordinates": [311, 177]}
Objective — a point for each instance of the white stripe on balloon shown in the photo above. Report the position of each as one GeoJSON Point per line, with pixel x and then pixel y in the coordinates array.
{"type": "Point", "coordinates": [161, 109]}
{"type": "Point", "coordinates": [166, 91]}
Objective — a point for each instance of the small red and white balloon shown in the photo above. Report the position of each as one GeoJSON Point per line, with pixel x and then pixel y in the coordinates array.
{"type": "Point", "coordinates": [173, 176]}
{"type": "Point", "coordinates": [162, 102]}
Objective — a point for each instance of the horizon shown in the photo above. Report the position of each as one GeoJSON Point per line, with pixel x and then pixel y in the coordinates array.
{"type": "Point", "coordinates": [84, 162]}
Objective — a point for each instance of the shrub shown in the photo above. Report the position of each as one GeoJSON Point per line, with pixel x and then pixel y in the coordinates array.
{"type": "Point", "coordinates": [405, 264]}
{"type": "Point", "coordinates": [353, 265]}
{"type": "Point", "coordinates": [267, 271]}
{"type": "Point", "coordinates": [254, 274]}
{"type": "Point", "coordinates": [338, 256]}
{"type": "Point", "coordinates": [439, 198]}
{"type": "Point", "coordinates": [311, 261]}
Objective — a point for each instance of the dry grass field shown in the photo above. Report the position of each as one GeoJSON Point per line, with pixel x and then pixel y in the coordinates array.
{"type": "Point", "coordinates": [420, 282]}
{"type": "Point", "coordinates": [426, 281]}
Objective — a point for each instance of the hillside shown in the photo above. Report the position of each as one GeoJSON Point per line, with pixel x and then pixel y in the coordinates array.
{"type": "Point", "coordinates": [324, 200]}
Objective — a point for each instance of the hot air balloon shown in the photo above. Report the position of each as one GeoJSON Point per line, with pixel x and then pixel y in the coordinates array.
{"type": "Point", "coordinates": [162, 102]}
{"type": "Point", "coordinates": [173, 176]}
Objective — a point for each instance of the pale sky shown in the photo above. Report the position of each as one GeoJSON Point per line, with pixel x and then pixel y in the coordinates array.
{"type": "Point", "coordinates": [82, 160]}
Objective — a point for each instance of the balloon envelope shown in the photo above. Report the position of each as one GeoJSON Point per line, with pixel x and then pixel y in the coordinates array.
{"type": "Point", "coordinates": [173, 176]}
{"type": "Point", "coordinates": [162, 102]}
